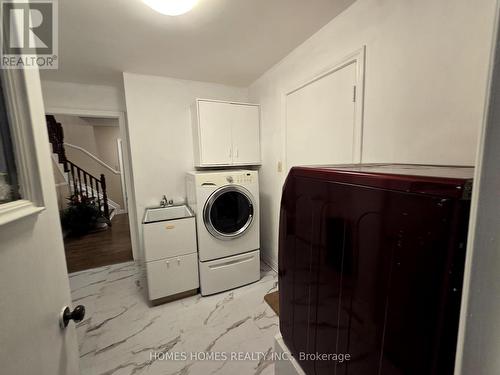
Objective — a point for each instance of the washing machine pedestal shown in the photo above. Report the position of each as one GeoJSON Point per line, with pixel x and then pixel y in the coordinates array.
{"type": "Point", "coordinates": [230, 272]}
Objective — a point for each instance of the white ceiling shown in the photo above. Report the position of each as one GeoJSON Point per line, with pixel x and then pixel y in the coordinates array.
{"type": "Point", "coordinates": [225, 41]}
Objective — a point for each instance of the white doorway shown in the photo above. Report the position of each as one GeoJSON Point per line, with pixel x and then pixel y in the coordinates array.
{"type": "Point", "coordinates": [124, 161]}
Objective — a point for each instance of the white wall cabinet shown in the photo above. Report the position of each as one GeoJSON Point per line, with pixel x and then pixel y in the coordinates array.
{"type": "Point", "coordinates": [225, 133]}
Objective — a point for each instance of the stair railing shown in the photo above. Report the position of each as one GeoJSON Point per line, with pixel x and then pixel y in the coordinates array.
{"type": "Point", "coordinates": [81, 183]}
{"type": "Point", "coordinates": [93, 157]}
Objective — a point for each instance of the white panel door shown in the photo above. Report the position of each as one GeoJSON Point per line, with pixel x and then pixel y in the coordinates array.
{"type": "Point", "coordinates": [320, 121]}
{"type": "Point", "coordinates": [246, 134]}
{"type": "Point", "coordinates": [33, 277]}
{"type": "Point", "coordinates": [215, 133]}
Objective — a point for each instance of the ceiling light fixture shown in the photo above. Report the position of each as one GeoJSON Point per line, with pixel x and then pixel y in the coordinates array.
{"type": "Point", "coordinates": [171, 7]}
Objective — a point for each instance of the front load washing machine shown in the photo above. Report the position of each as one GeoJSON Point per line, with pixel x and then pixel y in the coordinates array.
{"type": "Point", "coordinates": [226, 204]}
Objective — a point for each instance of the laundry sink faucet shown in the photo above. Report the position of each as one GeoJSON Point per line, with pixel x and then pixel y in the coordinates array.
{"type": "Point", "coordinates": [166, 202]}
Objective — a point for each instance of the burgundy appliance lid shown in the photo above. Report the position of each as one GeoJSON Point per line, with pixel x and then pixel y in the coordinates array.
{"type": "Point", "coordinates": [442, 181]}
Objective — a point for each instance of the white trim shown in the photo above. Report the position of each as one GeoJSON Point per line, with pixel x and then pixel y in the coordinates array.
{"type": "Point", "coordinates": [227, 102]}
{"type": "Point", "coordinates": [83, 112]}
{"type": "Point", "coordinates": [22, 125]}
{"type": "Point", "coordinates": [357, 57]}
{"type": "Point", "coordinates": [119, 145]}
{"type": "Point", "coordinates": [89, 154]}
{"type": "Point", "coordinates": [16, 210]}
{"type": "Point", "coordinates": [269, 262]}
{"type": "Point", "coordinates": [22, 135]}
{"type": "Point", "coordinates": [119, 211]}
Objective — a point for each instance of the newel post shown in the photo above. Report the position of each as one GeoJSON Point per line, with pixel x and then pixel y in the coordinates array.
{"type": "Point", "coordinates": [104, 196]}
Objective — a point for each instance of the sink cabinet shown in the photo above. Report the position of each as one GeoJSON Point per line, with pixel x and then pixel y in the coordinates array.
{"type": "Point", "coordinates": [166, 239]}
{"type": "Point", "coordinates": [171, 257]}
{"type": "Point", "coordinates": [172, 276]}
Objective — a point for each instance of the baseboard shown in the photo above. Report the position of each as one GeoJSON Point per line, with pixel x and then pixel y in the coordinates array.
{"type": "Point", "coordinates": [271, 263]}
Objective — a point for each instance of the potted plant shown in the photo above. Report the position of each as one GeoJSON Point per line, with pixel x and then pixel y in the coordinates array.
{"type": "Point", "coordinates": [81, 216]}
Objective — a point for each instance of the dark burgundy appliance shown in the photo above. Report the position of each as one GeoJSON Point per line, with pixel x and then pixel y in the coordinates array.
{"type": "Point", "coordinates": [371, 262]}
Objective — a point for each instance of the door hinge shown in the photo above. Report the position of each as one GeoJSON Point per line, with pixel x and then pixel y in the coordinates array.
{"type": "Point", "coordinates": [354, 93]}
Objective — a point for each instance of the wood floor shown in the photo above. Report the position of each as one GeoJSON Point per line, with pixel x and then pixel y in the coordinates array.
{"type": "Point", "coordinates": [273, 300]}
{"type": "Point", "coordinates": [101, 248]}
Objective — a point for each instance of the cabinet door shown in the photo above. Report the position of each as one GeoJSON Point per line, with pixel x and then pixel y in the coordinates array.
{"type": "Point", "coordinates": [214, 133]}
{"type": "Point", "coordinates": [169, 239]}
{"type": "Point", "coordinates": [170, 276]}
{"type": "Point", "coordinates": [246, 134]}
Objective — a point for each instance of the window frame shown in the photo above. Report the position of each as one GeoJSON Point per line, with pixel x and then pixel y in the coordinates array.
{"type": "Point", "coordinates": [22, 127]}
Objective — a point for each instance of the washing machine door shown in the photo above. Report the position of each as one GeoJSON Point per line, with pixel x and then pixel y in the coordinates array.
{"type": "Point", "coordinates": [228, 212]}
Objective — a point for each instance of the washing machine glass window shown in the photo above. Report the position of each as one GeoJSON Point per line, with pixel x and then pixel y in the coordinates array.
{"type": "Point", "coordinates": [228, 212]}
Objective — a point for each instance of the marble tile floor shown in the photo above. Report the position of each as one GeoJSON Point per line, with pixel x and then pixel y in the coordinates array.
{"type": "Point", "coordinates": [123, 335]}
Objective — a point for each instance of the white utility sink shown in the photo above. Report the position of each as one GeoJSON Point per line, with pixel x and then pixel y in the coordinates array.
{"type": "Point", "coordinates": [170, 252]}
{"type": "Point", "coordinates": [154, 215]}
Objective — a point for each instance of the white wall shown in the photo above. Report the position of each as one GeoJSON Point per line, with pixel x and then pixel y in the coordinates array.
{"type": "Point", "coordinates": [78, 132]}
{"type": "Point", "coordinates": [106, 141]}
{"type": "Point", "coordinates": [159, 126]}
{"type": "Point", "coordinates": [426, 70]}
{"type": "Point", "coordinates": [107, 149]}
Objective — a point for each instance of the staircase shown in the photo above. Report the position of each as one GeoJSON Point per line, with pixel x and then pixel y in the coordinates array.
{"type": "Point", "coordinates": [81, 183]}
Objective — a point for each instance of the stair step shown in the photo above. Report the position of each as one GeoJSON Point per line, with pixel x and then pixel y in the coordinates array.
{"type": "Point", "coordinates": [112, 213]}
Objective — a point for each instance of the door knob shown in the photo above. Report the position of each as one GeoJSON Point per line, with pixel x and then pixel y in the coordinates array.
{"type": "Point", "coordinates": [76, 315]}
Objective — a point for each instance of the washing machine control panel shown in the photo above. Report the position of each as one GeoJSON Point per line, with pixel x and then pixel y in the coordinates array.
{"type": "Point", "coordinates": [240, 178]}
{"type": "Point", "coordinates": [244, 178]}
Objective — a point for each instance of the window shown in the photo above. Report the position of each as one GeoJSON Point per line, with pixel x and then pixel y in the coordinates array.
{"type": "Point", "coordinates": [9, 188]}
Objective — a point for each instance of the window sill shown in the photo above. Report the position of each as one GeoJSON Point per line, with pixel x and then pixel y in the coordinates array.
{"type": "Point", "coordinates": [16, 210]}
